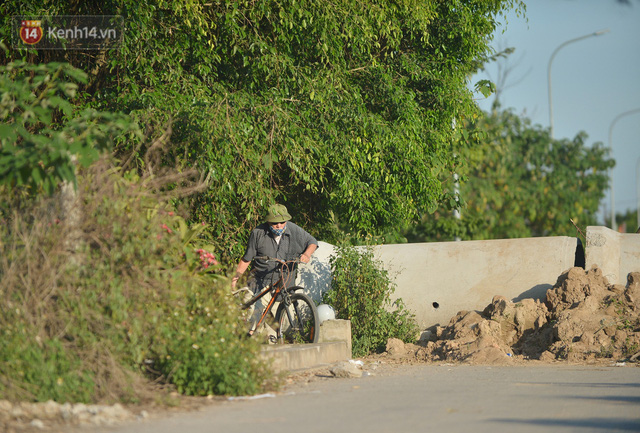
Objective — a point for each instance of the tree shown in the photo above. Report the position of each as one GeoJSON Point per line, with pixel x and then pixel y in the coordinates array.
{"type": "Point", "coordinates": [343, 111]}
{"type": "Point", "coordinates": [627, 222]}
{"type": "Point", "coordinates": [522, 183]}
{"type": "Point", "coordinates": [42, 135]}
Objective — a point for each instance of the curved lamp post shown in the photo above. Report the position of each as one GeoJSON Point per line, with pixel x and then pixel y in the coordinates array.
{"type": "Point", "coordinates": [613, 122]}
{"type": "Point", "coordinates": [598, 33]}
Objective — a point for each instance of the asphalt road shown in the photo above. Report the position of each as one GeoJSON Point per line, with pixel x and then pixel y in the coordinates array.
{"type": "Point", "coordinates": [430, 398]}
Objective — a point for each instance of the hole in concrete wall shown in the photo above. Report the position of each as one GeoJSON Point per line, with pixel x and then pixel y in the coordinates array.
{"type": "Point", "coordinates": [579, 257]}
{"type": "Point", "coordinates": [435, 305]}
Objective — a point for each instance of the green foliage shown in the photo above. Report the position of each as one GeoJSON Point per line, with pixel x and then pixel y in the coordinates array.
{"type": "Point", "coordinates": [45, 369]}
{"type": "Point", "coordinates": [43, 136]}
{"type": "Point", "coordinates": [485, 87]}
{"type": "Point", "coordinates": [342, 111]}
{"type": "Point", "coordinates": [522, 183]}
{"type": "Point", "coordinates": [627, 221]}
{"type": "Point", "coordinates": [200, 351]}
{"type": "Point", "coordinates": [86, 320]}
{"type": "Point", "coordinates": [360, 292]}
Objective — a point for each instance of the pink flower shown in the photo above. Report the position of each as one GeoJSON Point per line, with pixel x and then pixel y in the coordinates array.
{"type": "Point", "coordinates": [206, 258]}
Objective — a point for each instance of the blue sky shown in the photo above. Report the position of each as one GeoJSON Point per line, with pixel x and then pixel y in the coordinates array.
{"type": "Point", "coordinates": [594, 80]}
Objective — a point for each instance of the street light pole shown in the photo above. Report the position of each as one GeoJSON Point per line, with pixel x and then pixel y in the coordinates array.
{"type": "Point", "coordinates": [598, 33]}
{"type": "Point", "coordinates": [613, 122]}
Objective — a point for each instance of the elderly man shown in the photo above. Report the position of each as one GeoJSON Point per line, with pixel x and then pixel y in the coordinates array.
{"type": "Point", "coordinates": [280, 238]}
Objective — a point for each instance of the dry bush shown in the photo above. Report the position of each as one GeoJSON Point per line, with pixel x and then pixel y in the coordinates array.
{"type": "Point", "coordinates": [101, 296]}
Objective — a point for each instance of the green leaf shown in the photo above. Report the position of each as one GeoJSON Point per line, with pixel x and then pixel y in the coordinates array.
{"type": "Point", "coordinates": [7, 132]}
{"type": "Point", "coordinates": [266, 160]}
{"type": "Point", "coordinates": [485, 87]}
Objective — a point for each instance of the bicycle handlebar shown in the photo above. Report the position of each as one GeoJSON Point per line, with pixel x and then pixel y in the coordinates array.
{"type": "Point", "coordinates": [274, 259]}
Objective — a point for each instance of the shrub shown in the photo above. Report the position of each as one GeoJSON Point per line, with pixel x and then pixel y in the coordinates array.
{"type": "Point", "coordinates": [94, 304]}
{"type": "Point", "coordinates": [360, 291]}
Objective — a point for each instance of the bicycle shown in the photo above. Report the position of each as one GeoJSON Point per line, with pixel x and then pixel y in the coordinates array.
{"type": "Point", "coordinates": [296, 316]}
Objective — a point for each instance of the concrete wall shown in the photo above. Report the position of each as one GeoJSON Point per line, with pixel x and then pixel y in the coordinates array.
{"type": "Point", "coordinates": [436, 280]}
{"type": "Point", "coordinates": [315, 276]}
{"type": "Point", "coordinates": [617, 254]}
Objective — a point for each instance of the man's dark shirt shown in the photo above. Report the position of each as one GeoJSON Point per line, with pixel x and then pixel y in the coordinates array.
{"type": "Point", "coordinates": [262, 242]}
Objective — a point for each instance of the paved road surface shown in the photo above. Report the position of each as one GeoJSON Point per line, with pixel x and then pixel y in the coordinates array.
{"type": "Point", "coordinates": [431, 398]}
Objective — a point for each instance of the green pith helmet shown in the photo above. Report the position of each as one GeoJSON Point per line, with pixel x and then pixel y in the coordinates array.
{"type": "Point", "coordinates": [278, 213]}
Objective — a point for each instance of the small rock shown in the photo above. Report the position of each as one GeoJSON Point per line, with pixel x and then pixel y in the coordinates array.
{"type": "Point", "coordinates": [117, 412]}
{"type": "Point", "coordinates": [78, 408]}
{"type": "Point", "coordinates": [346, 369]}
{"type": "Point", "coordinates": [617, 288]}
{"type": "Point", "coordinates": [547, 356]}
{"type": "Point", "coordinates": [36, 423]}
{"type": "Point", "coordinates": [50, 408]}
{"type": "Point", "coordinates": [66, 411]}
{"type": "Point", "coordinates": [395, 347]}
{"type": "Point", "coordinates": [426, 337]}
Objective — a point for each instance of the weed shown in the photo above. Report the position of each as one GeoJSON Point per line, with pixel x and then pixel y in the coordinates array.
{"type": "Point", "coordinates": [360, 291]}
{"type": "Point", "coordinates": [564, 352]}
{"type": "Point", "coordinates": [629, 348]}
{"type": "Point", "coordinates": [605, 352]}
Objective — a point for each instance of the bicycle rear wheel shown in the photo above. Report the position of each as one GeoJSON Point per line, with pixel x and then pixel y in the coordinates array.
{"type": "Point", "coordinates": [298, 322]}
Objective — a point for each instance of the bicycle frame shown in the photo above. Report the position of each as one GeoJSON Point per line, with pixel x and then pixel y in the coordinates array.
{"type": "Point", "coordinates": [278, 289]}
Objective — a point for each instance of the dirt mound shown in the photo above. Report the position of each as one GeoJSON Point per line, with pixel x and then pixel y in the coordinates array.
{"type": "Point", "coordinates": [583, 319]}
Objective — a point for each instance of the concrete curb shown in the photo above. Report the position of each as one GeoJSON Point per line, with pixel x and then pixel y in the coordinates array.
{"type": "Point", "coordinates": [303, 356]}
{"type": "Point", "coordinates": [334, 346]}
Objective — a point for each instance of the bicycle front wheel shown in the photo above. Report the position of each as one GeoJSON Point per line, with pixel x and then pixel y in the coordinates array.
{"type": "Point", "coordinates": [298, 321]}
